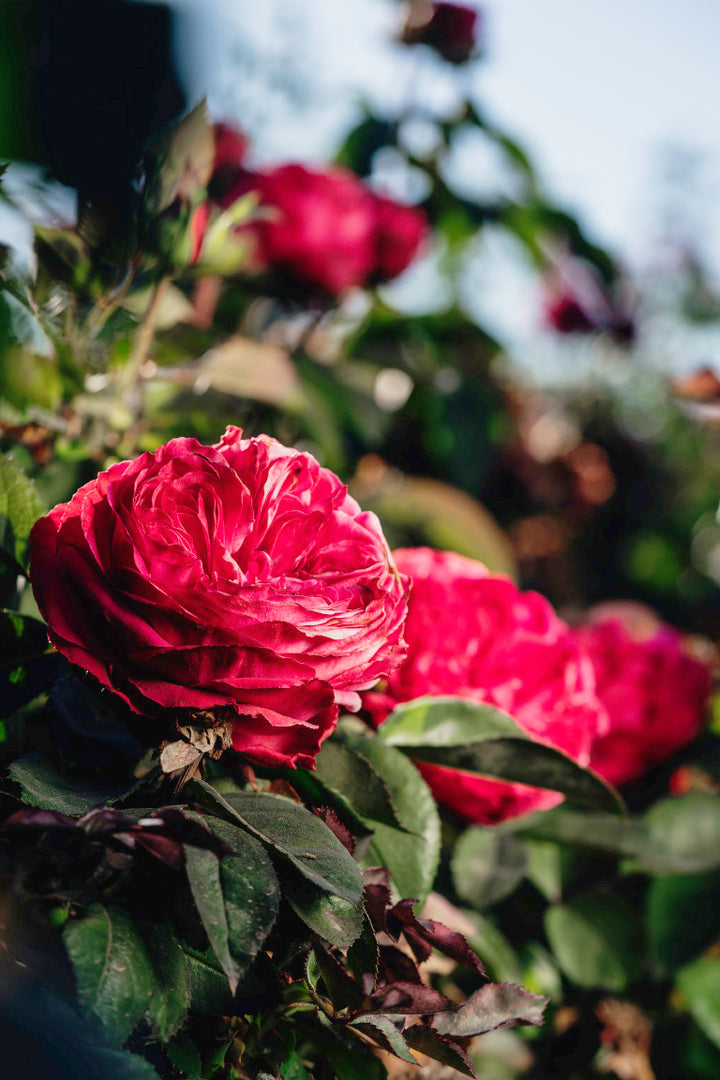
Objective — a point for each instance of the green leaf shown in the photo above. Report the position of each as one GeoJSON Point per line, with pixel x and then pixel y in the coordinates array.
{"type": "Point", "coordinates": [495, 1005]}
{"type": "Point", "coordinates": [438, 1047]}
{"type": "Point", "coordinates": [353, 1062]}
{"type": "Point", "coordinates": [22, 682]}
{"type": "Point", "coordinates": [331, 917]}
{"type": "Point", "coordinates": [487, 865]}
{"type": "Point", "coordinates": [64, 254]}
{"type": "Point", "coordinates": [114, 974]}
{"type": "Point", "coordinates": [209, 991]}
{"type": "Point", "coordinates": [683, 835]}
{"type": "Point", "coordinates": [21, 637]}
{"type": "Point", "coordinates": [20, 507]}
{"type": "Point", "coordinates": [412, 856]}
{"type": "Point", "coordinates": [345, 770]}
{"type": "Point", "coordinates": [477, 738]}
{"type": "Point", "coordinates": [171, 990]}
{"type": "Point", "coordinates": [203, 871]}
{"type": "Point", "coordinates": [494, 949]}
{"type": "Point", "coordinates": [121, 1065]}
{"type": "Point", "coordinates": [181, 160]}
{"type": "Point", "coordinates": [597, 940]}
{"type": "Point", "coordinates": [674, 938]}
{"type": "Point", "coordinates": [385, 1033]}
{"type": "Point", "coordinates": [292, 1068]}
{"type": "Point", "coordinates": [316, 792]}
{"type": "Point", "coordinates": [700, 984]}
{"type": "Point", "coordinates": [545, 862]}
{"type": "Point", "coordinates": [184, 1055]}
{"type": "Point", "coordinates": [676, 836]}
{"type": "Point", "coordinates": [592, 831]}
{"type": "Point", "coordinates": [293, 833]}
{"type": "Point", "coordinates": [250, 889]}
{"type": "Point", "coordinates": [363, 955]}
{"type": "Point", "coordinates": [45, 785]}
{"type": "Point", "coordinates": [444, 722]}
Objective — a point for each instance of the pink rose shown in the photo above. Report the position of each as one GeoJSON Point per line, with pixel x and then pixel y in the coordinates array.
{"type": "Point", "coordinates": [399, 232]}
{"type": "Point", "coordinates": [449, 29]}
{"type": "Point", "coordinates": [316, 227]}
{"type": "Point", "coordinates": [326, 230]}
{"type": "Point", "coordinates": [655, 694]}
{"type": "Point", "coordinates": [239, 577]}
{"type": "Point", "coordinates": [473, 634]}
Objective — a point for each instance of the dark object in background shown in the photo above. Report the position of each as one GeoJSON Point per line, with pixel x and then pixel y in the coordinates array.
{"type": "Point", "coordinates": [449, 29]}
{"type": "Point", "coordinates": [85, 84]}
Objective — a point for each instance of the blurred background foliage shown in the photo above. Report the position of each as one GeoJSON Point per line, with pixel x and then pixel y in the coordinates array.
{"type": "Point", "coordinates": [602, 479]}
{"type": "Point", "coordinates": [588, 472]}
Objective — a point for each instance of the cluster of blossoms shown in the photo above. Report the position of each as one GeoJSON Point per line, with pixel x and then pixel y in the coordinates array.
{"type": "Point", "coordinates": [320, 230]}
{"type": "Point", "coordinates": [241, 583]}
{"type": "Point", "coordinates": [614, 696]}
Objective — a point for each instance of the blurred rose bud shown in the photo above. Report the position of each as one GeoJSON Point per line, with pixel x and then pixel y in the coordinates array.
{"type": "Point", "coordinates": [567, 316]}
{"type": "Point", "coordinates": [449, 29]}
{"type": "Point", "coordinates": [577, 301]}
{"type": "Point", "coordinates": [231, 146]}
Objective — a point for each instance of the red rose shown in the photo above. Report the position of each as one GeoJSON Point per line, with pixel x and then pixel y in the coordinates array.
{"type": "Point", "coordinates": [240, 577]}
{"type": "Point", "coordinates": [326, 230]}
{"type": "Point", "coordinates": [399, 232]}
{"type": "Point", "coordinates": [473, 634]}
{"type": "Point", "coordinates": [316, 227]}
{"type": "Point", "coordinates": [449, 29]}
{"type": "Point", "coordinates": [655, 694]}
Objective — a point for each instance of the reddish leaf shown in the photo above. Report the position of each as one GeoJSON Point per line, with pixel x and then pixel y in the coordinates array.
{"type": "Point", "coordinates": [397, 966]}
{"type": "Point", "coordinates": [335, 825]}
{"type": "Point", "coordinates": [408, 997]}
{"type": "Point", "coordinates": [377, 899]}
{"type": "Point", "coordinates": [496, 1005]}
{"type": "Point", "coordinates": [440, 1048]}
{"type": "Point", "coordinates": [425, 934]}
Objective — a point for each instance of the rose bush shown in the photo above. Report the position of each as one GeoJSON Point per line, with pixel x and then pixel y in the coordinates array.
{"type": "Point", "coordinates": [473, 634]}
{"type": "Point", "coordinates": [654, 692]}
{"type": "Point", "coordinates": [239, 578]}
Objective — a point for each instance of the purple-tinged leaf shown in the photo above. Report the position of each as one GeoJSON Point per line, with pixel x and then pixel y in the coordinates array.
{"type": "Point", "coordinates": [376, 880]}
{"type": "Point", "coordinates": [425, 934]}
{"type": "Point", "coordinates": [31, 818]}
{"type": "Point", "coordinates": [408, 997]}
{"type": "Point", "coordinates": [335, 825]}
{"type": "Point", "coordinates": [496, 1005]}
{"type": "Point", "coordinates": [439, 1047]}
{"type": "Point", "coordinates": [397, 966]}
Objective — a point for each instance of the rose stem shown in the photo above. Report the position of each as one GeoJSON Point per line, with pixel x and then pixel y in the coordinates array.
{"type": "Point", "coordinates": [143, 339]}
